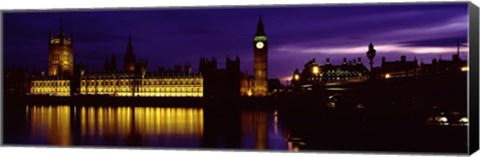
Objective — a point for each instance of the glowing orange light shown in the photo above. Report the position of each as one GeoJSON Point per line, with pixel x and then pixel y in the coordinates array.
{"type": "Point", "coordinates": [464, 69]}
{"type": "Point", "coordinates": [296, 77]}
{"type": "Point", "coordinates": [463, 120]}
{"type": "Point", "coordinates": [387, 76]}
{"type": "Point", "coordinates": [316, 70]}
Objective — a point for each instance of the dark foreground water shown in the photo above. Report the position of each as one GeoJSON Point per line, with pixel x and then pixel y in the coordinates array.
{"type": "Point", "coordinates": [394, 117]}
{"type": "Point", "coordinates": [211, 128]}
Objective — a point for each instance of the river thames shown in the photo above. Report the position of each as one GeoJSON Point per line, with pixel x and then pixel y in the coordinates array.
{"type": "Point", "coordinates": [330, 126]}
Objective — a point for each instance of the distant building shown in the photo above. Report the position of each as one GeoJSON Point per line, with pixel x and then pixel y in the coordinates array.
{"type": "Point", "coordinates": [260, 61]}
{"type": "Point", "coordinates": [445, 66]}
{"type": "Point", "coordinates": [110, 65]}
{"type": "Point", "coordinates": [15, 80]}
{"type": "Point", "coordinates": [246, 84]}
{"type": "Point", "coordinates": [60, 54]}
{"type": "Point", "coordinates": [221, 82]}
{"type": "Point", "coordinates": [398, 69]}
{"type": "Point", "coordinates": [352, 71]}
{"type": "Point", "coordinates": [122, 84]}
{"type": "Point", "coordinates": [129, 59]}
{"type": "Point", "coordinates": [314, 75]}
{"type": "Point", "coordinates": [134, 80]}
{"type": "Point", "coordinates": [411, 69]}
{"type": "Point", "coordinates": [50, 85]}
{"type": "Point", "coordinates": [275, 86]}
{"type": "Point", "coordinates": [149, 85]}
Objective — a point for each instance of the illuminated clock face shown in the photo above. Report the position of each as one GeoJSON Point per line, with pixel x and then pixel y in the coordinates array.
{"type": "Point", "coordinates": [259, 45]}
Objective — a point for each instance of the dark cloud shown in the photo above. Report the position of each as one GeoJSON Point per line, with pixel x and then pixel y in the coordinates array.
{"type": "Point", "coordinates": [168, 36]}
{"type": "Point", "coordinates": [441, 42]}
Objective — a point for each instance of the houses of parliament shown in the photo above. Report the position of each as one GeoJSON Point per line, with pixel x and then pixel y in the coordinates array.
{"type": "Point", "coordinates": [134, 80]}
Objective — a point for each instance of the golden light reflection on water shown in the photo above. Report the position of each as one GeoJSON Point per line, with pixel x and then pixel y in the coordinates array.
{"type": "Point", "coordinates": [145, 121]}
{"type": "Point", "coordinates": [169, 121]}
{"type": "Point", "coordinates": [51, 123]}
{"type": "Point", "coordinates": [256, 123]}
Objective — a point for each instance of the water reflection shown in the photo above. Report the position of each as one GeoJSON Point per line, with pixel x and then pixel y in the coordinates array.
{"type": "Point", "coordinates": [50, 124]}
{"type": "Point", "coordinates": [105, 121]}
{"type": "Point", "coordinates": [338, 120]}
{"type": "Point", "coordinates": [255, 123]}
{"type": "Point", "coordinates": [154, 126]}
{"type": "Point", "coordinates": [141, 125]}
{"type": "Point", "coordinates": [169, 121]}
{"type": "Point", "coordinates": [57, 125]}
{"type": "Point", "coordinates": [262, 130]}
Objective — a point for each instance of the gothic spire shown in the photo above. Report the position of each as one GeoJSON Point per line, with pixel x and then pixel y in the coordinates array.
{"type": "Point", "coordinates": [129, 47]}
{"type": "Point", "coordinates": [61, 34]}
{"type": "Point", "coordinates": [113, 63]}
{"type": "Point", "coordinates": [129, 60]}
{"type": "Point", "coordinates": [260, 30]}
{"type": "Point", "coordinates": [61, 25]}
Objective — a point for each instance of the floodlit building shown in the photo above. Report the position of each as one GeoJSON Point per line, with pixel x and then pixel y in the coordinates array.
{"type": "Point", "coordinates": [411, 69]}
{"type": "Point", "coordinates": [133, 81]}
{"type": "Point", "coordinates": [50, 85]}
{"type": "Point", "coordinates": [60, 54]}
{"type": "Point", "coordinates": [398, 69]}
{"type": "Point", "coordinates": [260, 61]}
{"type": "Point", "coordinates": [314, 75]}
{"type": "Point", "coordinates": [246, 84]}
{"type": "Point", "coordinates": [148, 85]}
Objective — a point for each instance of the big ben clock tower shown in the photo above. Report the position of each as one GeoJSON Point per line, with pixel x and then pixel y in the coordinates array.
{"type": "Point", "coordinates": [260, 66]}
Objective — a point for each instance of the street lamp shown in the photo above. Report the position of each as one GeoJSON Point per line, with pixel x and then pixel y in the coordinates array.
{"type": "Point", "coordinates": [371, 54]}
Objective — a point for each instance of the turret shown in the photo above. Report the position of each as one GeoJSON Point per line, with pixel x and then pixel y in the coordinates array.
{"type": "Point", "coordinates": [61, 35]}
{"type": "Point", "coordinates": [113, 64]}
{"type": "Point", "coordinates": [106, 66]}
{"type": "Point", "coordinates": [60, 54]}
{"type": "Point", "coordinates": [129, 60]}
{"type": "Point", "coordinates": [260, 29]}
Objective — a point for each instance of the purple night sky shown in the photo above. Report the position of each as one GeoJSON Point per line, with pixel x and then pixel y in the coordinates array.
{"type": "Point", "coordinates": [168, 36]}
